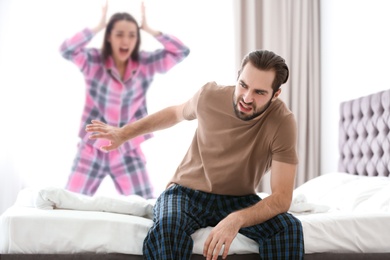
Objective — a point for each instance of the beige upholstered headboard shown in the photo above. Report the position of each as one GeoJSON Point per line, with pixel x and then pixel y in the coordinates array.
{"type": "Point", "coordinates": [364, 135]}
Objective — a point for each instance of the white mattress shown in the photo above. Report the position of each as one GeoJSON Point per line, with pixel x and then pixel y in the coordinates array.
{"type": "Point", "coordinates": [339, 213]}
{"type": "Point", "coordinates": [31, 230]}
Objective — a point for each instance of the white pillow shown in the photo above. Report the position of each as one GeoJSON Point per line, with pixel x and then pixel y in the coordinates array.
{"type": "Point", "coordinates": [378, 202]}
{"type": "Point", "coordinates": [341, 191]}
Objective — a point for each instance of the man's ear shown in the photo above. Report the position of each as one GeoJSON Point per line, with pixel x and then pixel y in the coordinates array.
{"type": "Point", "coordinates": [277, 93]}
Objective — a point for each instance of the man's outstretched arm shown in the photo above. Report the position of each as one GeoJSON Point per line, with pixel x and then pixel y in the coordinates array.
{"type": "Point", "coordinates": [162, 119]}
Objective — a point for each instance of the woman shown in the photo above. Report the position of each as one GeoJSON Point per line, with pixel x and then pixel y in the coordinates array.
{"type": "Point", "coordinates": [117, 78]}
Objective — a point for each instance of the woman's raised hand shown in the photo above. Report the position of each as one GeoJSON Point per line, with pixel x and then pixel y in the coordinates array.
{"type": "Point", "coordinates": [103, 19]}
{"type": "Point", "coordinates": [144, 22]}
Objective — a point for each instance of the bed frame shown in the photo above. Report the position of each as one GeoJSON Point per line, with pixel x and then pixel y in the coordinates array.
{"type": "Point", "coordinates": [91, 256]}
{"type": "Point", "coordinates": [364, 147]}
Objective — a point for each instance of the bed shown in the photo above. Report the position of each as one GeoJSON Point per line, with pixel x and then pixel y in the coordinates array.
{"type": "Point", "coordinates": [345, 214]}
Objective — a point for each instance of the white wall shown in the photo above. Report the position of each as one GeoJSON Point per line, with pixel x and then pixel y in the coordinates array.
{"type": "Point", "coordinates": [355, 61]}
{"type": "Point", "coordinates": [41, 94]}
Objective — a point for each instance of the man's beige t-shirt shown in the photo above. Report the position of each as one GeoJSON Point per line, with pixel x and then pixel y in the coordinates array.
{"type": "Point", "coordinates": [228, 155]}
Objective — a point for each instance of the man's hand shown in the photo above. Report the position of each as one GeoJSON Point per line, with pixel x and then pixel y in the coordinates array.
{"type": "Point", "coordinates": [221, 235]}
{"type": "Point", "coordinates": [111, 133]}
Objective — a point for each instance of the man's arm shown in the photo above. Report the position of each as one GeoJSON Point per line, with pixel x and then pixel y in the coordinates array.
{"type": "Point", "coordinates": [282, 185]}
{"type": "Point", "coordinates": [162, 119]}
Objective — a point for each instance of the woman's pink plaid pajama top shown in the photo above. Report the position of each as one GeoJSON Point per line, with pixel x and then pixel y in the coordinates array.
{"type": "Point", "coordinates": [115, 101]}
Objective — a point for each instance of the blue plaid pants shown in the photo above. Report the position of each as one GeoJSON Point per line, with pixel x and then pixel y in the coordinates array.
{"type": "Point", "coordinates": [180, 211]}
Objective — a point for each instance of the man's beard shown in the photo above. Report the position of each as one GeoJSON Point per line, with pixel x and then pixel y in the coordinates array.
{"type": "Point", "coordinates": [247, 117]}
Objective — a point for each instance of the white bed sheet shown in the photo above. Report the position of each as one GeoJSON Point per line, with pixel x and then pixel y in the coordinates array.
{"type": "Point", "coordinates": [30, 230]}
{"type": "Point", "coordinates": [346, 232]}
{"type": "Point", "coordinates": [356, 219]}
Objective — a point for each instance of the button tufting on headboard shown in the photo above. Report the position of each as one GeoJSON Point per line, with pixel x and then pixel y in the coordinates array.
{"type": "Point", "coordinates": [364, 139]}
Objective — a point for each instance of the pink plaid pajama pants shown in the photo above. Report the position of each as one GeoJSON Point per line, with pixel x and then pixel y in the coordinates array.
{"type": "Point", "coordinates": [128, 171]}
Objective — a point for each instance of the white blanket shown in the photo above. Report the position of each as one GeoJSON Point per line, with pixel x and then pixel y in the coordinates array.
{"type": "Point", "coordinates": [300, 204]}
{"type": "Point", "coordinates": [58, 198]}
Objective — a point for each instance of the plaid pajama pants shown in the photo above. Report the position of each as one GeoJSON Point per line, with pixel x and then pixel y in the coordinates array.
{"type": "Point", "coordinates": [128, 171]}
{"type": "Point", "coordinates": [180, 211]}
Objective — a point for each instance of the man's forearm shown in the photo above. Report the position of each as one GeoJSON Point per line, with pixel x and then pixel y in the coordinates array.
{"type": "Point", "coordinates": [260, 212]}
{"type": "Point", "coordinates": [162, 119]}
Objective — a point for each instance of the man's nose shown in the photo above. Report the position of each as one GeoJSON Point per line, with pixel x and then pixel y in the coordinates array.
{"type": "Point", "coordinates": [248, 98]}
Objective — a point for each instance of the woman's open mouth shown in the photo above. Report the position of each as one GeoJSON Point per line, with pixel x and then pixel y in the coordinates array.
{"type": "Point", "coordinates": [123, 51]}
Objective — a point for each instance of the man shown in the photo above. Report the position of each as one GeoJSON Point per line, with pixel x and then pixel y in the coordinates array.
{"type": "Point", "coordinates": [243, 131]}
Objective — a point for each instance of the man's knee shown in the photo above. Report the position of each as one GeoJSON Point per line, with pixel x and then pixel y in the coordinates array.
{"type": "Point", "coordinates": [293, 222]}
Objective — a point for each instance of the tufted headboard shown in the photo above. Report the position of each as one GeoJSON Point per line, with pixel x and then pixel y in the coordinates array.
{"type": "Point", "coordinates": [364, 135]}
